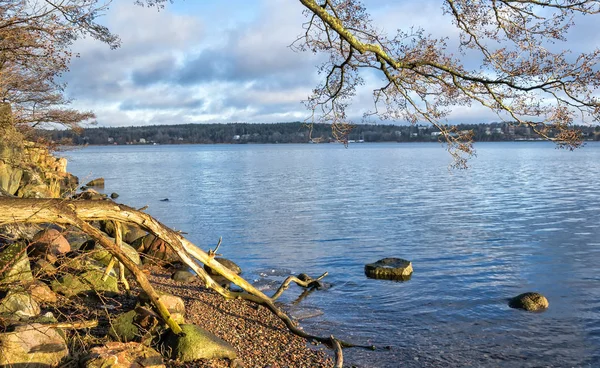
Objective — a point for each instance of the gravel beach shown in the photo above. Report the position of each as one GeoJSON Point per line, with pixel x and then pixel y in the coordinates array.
{"type": "Point", "coordinates": [260, 338]}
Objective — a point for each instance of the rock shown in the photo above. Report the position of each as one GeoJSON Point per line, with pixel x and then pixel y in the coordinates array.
{"type": "Point", "coordinates": [103, 256]}
{"type": "Point", "coordinates": [301, 312]}
{"type": "Point", "coordinates": [225, 262]}
{"type": "Point", "coordinates": [132, 233]}
{"type": "Point", "coordinates": [86, 283]}
{"type": "Point", "coordinates": [49, 243]}
{"type": "Point", "coordinates": [41, 293]}
{"type": "Point", "coordinates": [78, 262]}
{"type": "Point", "coordinates": [183, 276]}
{"type": "Point", "coordinates": [155, 250]}
{"type": "Point", "coordinates": [197, 343]}
{"type": "Point", "coordinates": [19, 303]}
{"type": "Point", "coordinates": [15, 263]}
{"type": "Point", "coordinates": [43, 268]}
{"type": "Point", "coordinates": [140, 325]}
{"type": "Point", "coordinates": [99, 182]}
{"type": "Point", "coordinates": [174, 304]}
{"type": "Point", "coordinates": [390, 269]}
{"type": "Point", "coordinates": [114, 195]}
{"type": "Point", "coordinates": [123, 328]}
{"type": "Point", "coordinates": [69, 183]}
{"type": "Point", "coordinates": [76, 238]}
{"type": "Point", "coordinates": [129, 233]}
{"type": "Point", "coordinates": [90, 194]}
{"type": "Point", "coordinates": [32, 345]}
{"type": "Point", "coordinates": [124, 355]}
{"type": "Point", "coordinates": [529, 301]}
{"type": "Point", "coordinates": [10, 177]}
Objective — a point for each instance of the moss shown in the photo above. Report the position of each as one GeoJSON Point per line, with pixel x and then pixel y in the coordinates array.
{"type": "Point", "coordinates": [123, 327]}
{"type": "Point", "coordinates": [88, 282]}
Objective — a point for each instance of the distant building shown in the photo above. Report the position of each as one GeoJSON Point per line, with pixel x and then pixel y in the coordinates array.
{"type": "Point", "coordinates": [142, 140]}
{"type": "Point", "coordinates": [236, 137]}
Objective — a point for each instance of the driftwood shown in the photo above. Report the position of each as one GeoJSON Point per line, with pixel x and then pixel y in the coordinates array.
{"type": "Point", "coordinates": [78, 212]}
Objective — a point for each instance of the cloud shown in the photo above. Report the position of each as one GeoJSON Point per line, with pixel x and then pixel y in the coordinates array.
{"type": "Point", "coordinates": [189, 63]}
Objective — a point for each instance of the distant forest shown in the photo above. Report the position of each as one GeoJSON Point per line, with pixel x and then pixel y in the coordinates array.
{"type": "Point", "coordinates": [285, 133]}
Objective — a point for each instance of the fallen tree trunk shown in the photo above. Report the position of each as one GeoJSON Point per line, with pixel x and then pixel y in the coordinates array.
{"type": "Point", "coordinates": [77, 212]}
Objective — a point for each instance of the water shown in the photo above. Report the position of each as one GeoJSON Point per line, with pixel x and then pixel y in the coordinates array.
{"type": "Point", "coordinates": [524, 217]}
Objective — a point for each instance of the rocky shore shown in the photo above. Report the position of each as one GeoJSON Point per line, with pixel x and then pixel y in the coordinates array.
{"type": "Point", "coordinates": [62, 304]}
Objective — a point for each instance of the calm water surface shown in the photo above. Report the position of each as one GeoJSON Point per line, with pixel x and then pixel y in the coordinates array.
{"type": "Point", "coordinates": [525, 217]}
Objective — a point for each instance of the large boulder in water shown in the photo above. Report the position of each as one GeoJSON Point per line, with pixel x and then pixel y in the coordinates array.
{"type": "Point", "coordinates": [32, 345]}
{"type": "Point", "coordinates": [196, 343]}
{"type": "Point", "coordinates": [389, 269]}
{"type": "Point", "coordinates": [530, 301]}
{"type": "Point", "coordinates": [99, 182]}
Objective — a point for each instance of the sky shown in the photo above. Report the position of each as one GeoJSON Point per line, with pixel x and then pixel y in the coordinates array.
{"type": "Point", "coordinates": [214, 61]}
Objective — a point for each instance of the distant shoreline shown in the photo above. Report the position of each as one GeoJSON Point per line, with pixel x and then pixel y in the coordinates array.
{"type": "Point", "coordinates": [283, 133]}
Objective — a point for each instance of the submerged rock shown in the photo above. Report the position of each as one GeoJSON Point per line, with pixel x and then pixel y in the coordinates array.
{"type": "Point", "coordinates": [99, 182]}
{"type": "Point", "coordinates": [32, 345]}
{"type": "Point", "coordinates": [390, 269]}
{"type": "Point", "coordinates": [90, 194]}
{"type": "Point", "coordinates": [530, 301]}
{"type": "Point", "coordinates": [197, 343]}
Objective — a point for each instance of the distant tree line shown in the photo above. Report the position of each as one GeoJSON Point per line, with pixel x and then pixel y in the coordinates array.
{"type": "Point", "coordinates": [239, 133]}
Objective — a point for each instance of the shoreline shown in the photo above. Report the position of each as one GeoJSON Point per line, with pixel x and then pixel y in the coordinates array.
{"type": "Point", "coordinates": [260, 338]}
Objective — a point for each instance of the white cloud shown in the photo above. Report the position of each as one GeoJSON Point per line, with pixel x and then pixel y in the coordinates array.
{"type": "Point", "coordinates": [185, 64]}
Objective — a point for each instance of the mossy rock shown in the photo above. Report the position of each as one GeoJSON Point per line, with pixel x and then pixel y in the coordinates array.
{"type": "Point", "coordinates": [103, 256]}
{"type": "Point", "coordinates": [139, 325]}
{"type": "Point", "coordinates": [183, 276]}
{"type": "Point", "coordinates": [390, 269]}
{"type": "Point", "coordinates": [15, 263]}
{"type": "Point", "coordinates": [19, 303]}
{"type": "Point", "coordinates": [196, 343]}
{"type": "Point", "coordinates": [86, 283]}
{"type": "Point", "coordinates": [531, 301]}
{"type": "Point", "coordinates": [32, 345]}
{"type": "Point", "coordinates": [123, 328]}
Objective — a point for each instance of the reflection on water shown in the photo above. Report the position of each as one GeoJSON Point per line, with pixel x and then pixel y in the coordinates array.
{"type": "Point", "coordinates": [525, 217]}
